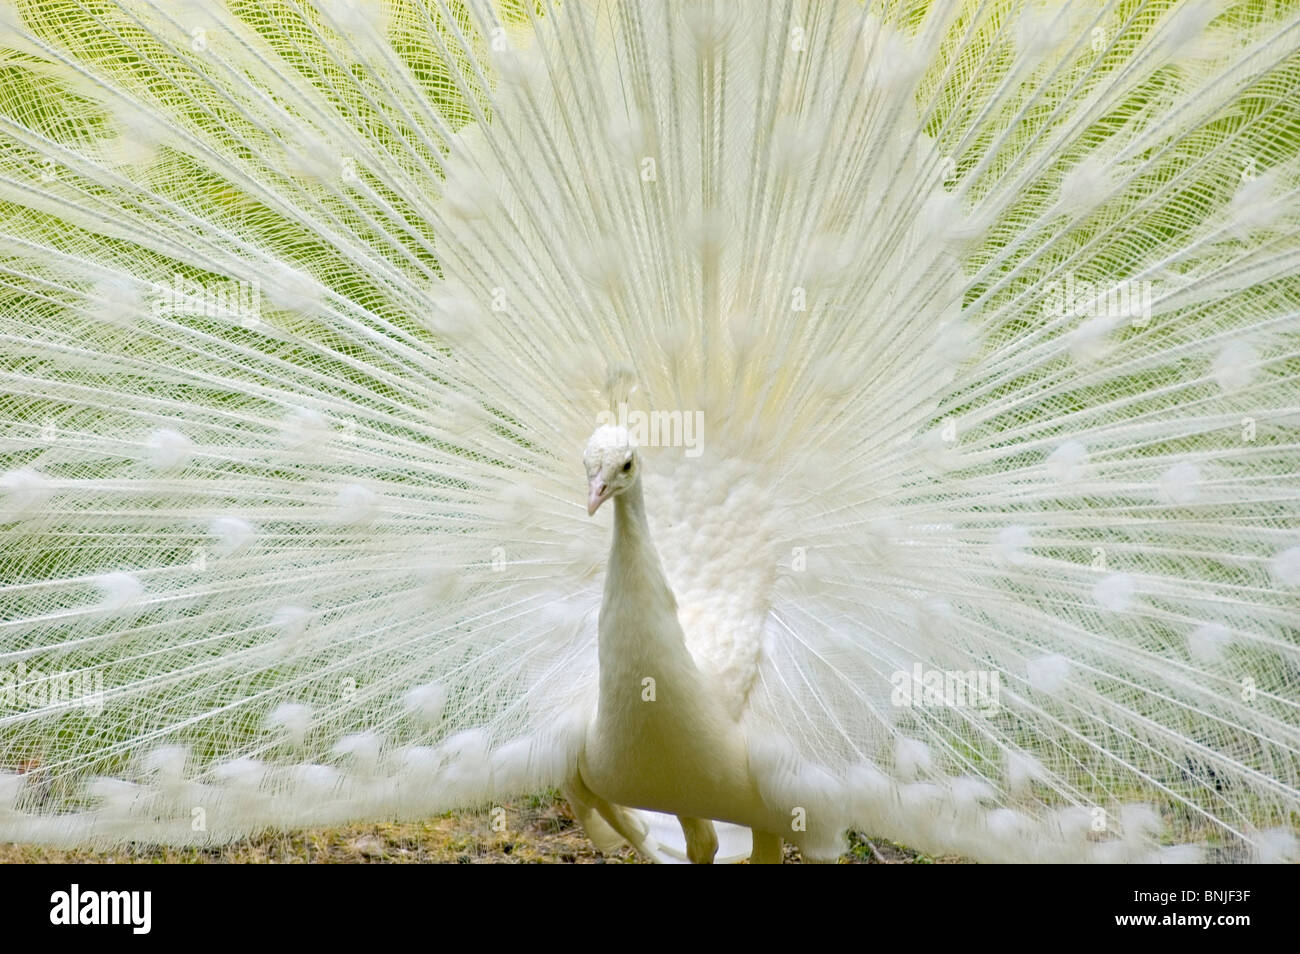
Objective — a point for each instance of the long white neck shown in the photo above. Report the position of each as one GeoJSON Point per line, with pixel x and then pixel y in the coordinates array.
{"type": "Point", "coordinates": [639, 632]}
{"type": "Point", "coordinates": [632, 551]}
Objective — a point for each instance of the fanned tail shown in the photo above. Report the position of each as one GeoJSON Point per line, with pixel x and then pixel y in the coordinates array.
{"type": "Point", "coordinates": [989, 313]}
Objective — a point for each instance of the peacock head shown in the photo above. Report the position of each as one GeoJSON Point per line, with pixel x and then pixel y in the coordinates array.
{"type": "Point", "coordinates": [612, 465]}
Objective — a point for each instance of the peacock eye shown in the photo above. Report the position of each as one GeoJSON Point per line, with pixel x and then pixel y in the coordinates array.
{"type": "Point", "coordinates": [627, 467]}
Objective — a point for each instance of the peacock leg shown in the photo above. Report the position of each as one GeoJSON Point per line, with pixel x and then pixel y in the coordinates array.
{"type": "Point", "coordinates": [767, 849]}
{"type": "Point", "coordinates": [617, 818]}
{"type": "Point", "coordinates": [701, 839]}
{"type": "Point", "coordinates": [604, 837]}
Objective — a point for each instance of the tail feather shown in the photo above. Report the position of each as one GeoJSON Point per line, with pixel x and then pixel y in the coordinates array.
{"type": "Point", "coordinates": [990, 312]}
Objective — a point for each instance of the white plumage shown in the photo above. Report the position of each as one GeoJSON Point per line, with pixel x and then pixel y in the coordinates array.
{"type": "Point", "coordinates": [959, 346]}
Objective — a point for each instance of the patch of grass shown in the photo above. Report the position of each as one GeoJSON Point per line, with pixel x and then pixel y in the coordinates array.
{"type": "Point", "coordinates": [537, 830]}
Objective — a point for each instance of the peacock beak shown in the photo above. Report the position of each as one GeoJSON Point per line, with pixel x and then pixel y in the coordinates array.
{"type": "Point", "coordinates": [597, 494]}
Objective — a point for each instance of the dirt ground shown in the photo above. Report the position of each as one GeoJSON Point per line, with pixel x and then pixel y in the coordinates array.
{"type": "Point", "coordinates": [540, 830]}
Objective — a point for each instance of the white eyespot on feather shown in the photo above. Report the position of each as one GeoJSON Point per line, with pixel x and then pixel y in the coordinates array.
{"type": "Point", "coordinates": [1005, 824]}
{"type": "Point", "coordinates": [967, 793]}
{"type": "Point", "coordinates": [620, 381]}
{"type": "Point", "coordinates": [1183, 32]}
{"type": "Point", "coordinates": [519, 504]}
{"type": "Point", "coordinates": [291, 621]}
{"type": "Point", "coordinates": [791, 146]}
{"type": "Point", "coordinates": [868, 790]}
{"type": "Point", "coordinates": [956, 342]}
{"type": "Point", "coordinates": [453, 314]}
{"type": "Point", "coordinates": [443, 584]}
{"type": "Point", "coordinates": [818, 790]}
{"type": "Point", "coordinates": [1086, 185]}
{"type": "Point", "coordinates": [1207, 643]}
{"type": "Point", "coordinates": [362, 749]}
{"type": "Point", "coordinates": [1286, 566]}
{"type": "Point", "coordinates": [939, 447]}
{"type": "Point", "coordinates": [303, 428]}
{"type": "Point", "coordinates": [1258, 205]}
{"type": "Point", "coordinates": [1180, 484]}
{"type": "Point", "coordinates": [117, 796]}
{"type": "Point", "coordinates": [167, 762]}
{"type": "Point", "coordinates": [520, 68]}
{"type": "Point", "coordinates": [1067, 462]}
{"type": "Point", "coordinates": [244, 774]}
{"type": "Point", "coordinates": [921, 798]}
{"type": "Point", "coordinates": [1048, 673]}
{"type": "Point", "coordinates": [315, 781]}
{"type": "Point", "coordinates": [307, 155]}
{"type": "Point", "coordinates": [1074, 822]}
{"type": "Point", "coordinates": [627, 135]}
{"type": "Point", "coordinates": [465, 415]}
{"type": "Point", "coordinates": [118, 591]}
{"type": "Point", "coordinates": [1115, 592]}
{"type": "Point", "coordinates": [293, 718]}
{"type": "Point", "coordinates": [1091, 341]}
{"type": "Point", "coordinates": [911, 757]}
{"type": "Point", "coordinates": [601, 264]}
{"type": "Point", "coordinates": [11, 789]}
{"type": "Point", "coordinates": [168, 449]}
{"type": "Point", "coordinates": [1022, 770]}
{"type": "Point", "coordinates": [824, 844]}
{"type": "Point", "coordinates": [514, 768]}
{"type": "Point", "coordinates": [467, 194]}
{"type": "Point", "coordinates": [22, 494]}
{"type": "Point", "coordinates": [466, 773]}
{"type": "Point", "coordinates": [140, 133]}
{"type": "Point", "coordinates": [561, 617]}
{"type": "Point", "coordinates": [356, 505]}
{"type": "Point", "coordinates": [166, 767]}
{"type": "Point", "coordinates": [289, 289]}
{"type": "Point", "coordinates": [785, 781]}
{"type": "Point", "coordinates": [1038, 31]}
{"type": "Point", "coordinates": [835, 378]}
{"type": "Point", "coordinates": [1010, 545]}
{"type": "Point", "coordinates": [708, 26]}
{"type": "Point", "coordinates": [426, 702]}
{"type": "Point", "coordinates": [118, 300]}
{"type": "Point", "coordinates": [231, 535]}
{"type": "Point", "coordinates": [829, 257]}
{"type": "Point", "coordinates": [673, 342]}
{"type": "Point", "coordinates": [745, 330]}
{"type": "Point", "coordinates": [1139, 822]}
{"type": "Point", "coordinates": [356, 16]}
{"type": "Point", "coordinates": [935, 616]}
{"type": "Point", "coordinates": [893, 67]}
{"type": "Point", "coordinates": [708, 233]}
{"type": "Point", "coordinates": [1235, 366]}
{"type": "Point", "coordinates": [418, 764]}
{"type": "Point", "coordinates": [944, 217]}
